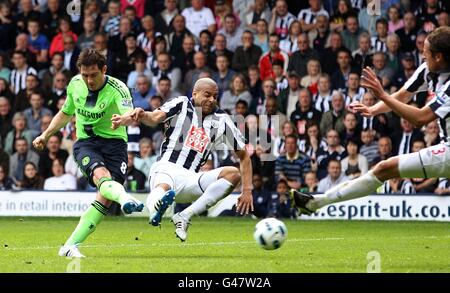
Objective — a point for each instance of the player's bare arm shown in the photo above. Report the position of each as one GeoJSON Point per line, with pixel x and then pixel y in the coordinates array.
{"type": "Point", "coordinates": [416, 116]}
{"type": "Point", "coordinates": [150, 118]}
{"type": "Point", "coordinates": [245, 201]}
{"type": "Point", "coordinates": [59, 121]}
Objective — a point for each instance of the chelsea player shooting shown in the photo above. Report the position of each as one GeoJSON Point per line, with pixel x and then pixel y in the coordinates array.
{"type": "Point", "coordinates": [100, 151]}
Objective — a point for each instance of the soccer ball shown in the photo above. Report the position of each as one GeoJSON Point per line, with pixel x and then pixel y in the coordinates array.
{"type": "Point", "coordinates": [270, 233]}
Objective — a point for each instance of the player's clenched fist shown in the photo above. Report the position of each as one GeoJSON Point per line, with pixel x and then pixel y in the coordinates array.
{"type": "Point", "coordinates": [39, 143]}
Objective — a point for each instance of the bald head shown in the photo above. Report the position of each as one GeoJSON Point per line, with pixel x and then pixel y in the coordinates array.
{"type": "Point", "coordinates": [204, 83]}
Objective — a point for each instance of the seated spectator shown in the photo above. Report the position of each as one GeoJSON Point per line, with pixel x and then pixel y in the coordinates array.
{"type": "Point", "coordinates": [31, 178]}
{"type": "Point", "coordinates": [322, 100]}
{"type": "Point", "coordinates": [362, 57]}
{"type": "Point", "coordinates": [343, 10]}
{"type": "Point", "coordinates": [22, 100]}
{"type": "Point", "coordinates": [281, 19]}
{"type": "Point", "coordinates": [320, 37]}
{"type": "Point", "coordinates": [19, 130]}
{"type": "Point", "coordinates": [404, 73]}
{"type": "Point", "coordinates": [164, 19]}
{"type": "Point", "coordinates": [311, 80]}
{"type": "Point", "coordinates": [164, 89]}
{"type": "Point", "coordinates": [223, 75]}
{"type": "Point", "coordinates": [280, 203]}
{"type": "Point", "coordinates": [312, 143]}
{"type": "Point", "coordinates": [311, 183]}
{"type": "Point", "coordinates": [278, 73]}
{"type": "Point", "coordinates": [6, 116]}
{"type": "Point", "coordinates": [57, 92]}
{"type": "Point", "coordinates": [308, 16]}
{"type": "Point", "coordinates": [17, 161]}
{"type": "Point", "coordinates": [4, 158]}
{"type": "Point", "coordinates": [289, 45]}
{"type": "Point", "coordinates": [351, 33]}
{"type": "Point", "coordinates": [6, 182]}
{"type": "Point", "coordinates": [335, 176]}
{"type": "Point", "coordinates": [262, 35]}
{"type": "Point", "coordinates": [422, 185]}
{"type": "Point", "coordinates": [333, 151]}
{"type": "Point", "coordinates": [57, 43]}
{"type": "Point", "coordinates": [340, 76]}
{"type": "Point", "coordinates": [127, 56]}
{"type": "Point", "coordinates": [355, 164]}
{"type": "Point", "coordinates": [293, 165]}
{"type": "Point", "coordinates": [231, 31]}
{"type": "Point", "coordinates": [380, 123]}
{"type": "Point", "coordinates": [139, 69]}
{"type": "Point", "coordinates": [176, 36]}
{"type": "Point", "coordinates": [431, 134]}
{"type": "Point", "coordinates": [393, 52]}
{"type": "Point", "coordinates": [246, 55]}
{"type": "Point", "coordinates": [35, 113]}
{"type": "Point", "coordinates": [241, 109]}
{"type": "Point", "coordinates": [219, 49]}
{"type": "Point", "coordinates": [351, 131]}
{"type": "Point", "coordinates": [100, 44]}
{"type": "Point", "coordinates": [369, 149]}
{"type": "Point", "coordinates": [52, 152]}
{"type": "Point", "coordinates": [143, 93]}
{"type": "Point", "coordinates": [70, 54]}
{"type": "Point", "coordinates": [38, 43]}
{"type": "Point", "coordinates": [198, 18]}
{"type": "Point", "coordinates": [354, 92]}
{"type": "Point", "coordinates": [408, 33]}
{"type": "Point", "coordinates": [86, 39]}
{"type": "Point", "coordinates": [194, 74]}
{"type": "Point", "coordinates": [443, 187]}
{"type": "Point", "coordinates": [382, 71]}
{"type": "Point", "coordinates": [299, 59]}
{"type": "Point", "coordinates": [402, 138]}
{"type": "Point", "coordinates": [117, 42]}
{"type": "Point", "coordinates": [135, 179]}
{"type": "Point", "coordinates": [384, 151]}
{"type": "Point", "coordinates": [288, 98]}
{"type": "Point", "coordinates": [398, 186]}
{"type": "Point", "coordinates": [111, 20]}
{"type": "Point", "coordinates": [205, 45]}
{"type": "Point", "coordinates": [304, 113]}
{"type": "Point", "coordinates": [159, 46]}
{"type": "Point", "coordinates": [238, 91]}
{"type": "Point", "coordinates": [334, 119]}
{"type": "Point", "coordinates": [60, 180]}
{"type": "Point", "coordinates": [287, 129]}
{"type": "Point", "coordinates": [146, 157]}
{"type": "Point", "coordinates": [71, 167]}
{"type": "Point", "coordinates": [379, 40]}
{"type": "Point", "coordinates": [395, 20]}
{"type": "Point", "coordinates": [272, 119]}
{"type": "Point", "coordinates": [266, 61]}
{"type": "Point", "coordinates": [261, 197]}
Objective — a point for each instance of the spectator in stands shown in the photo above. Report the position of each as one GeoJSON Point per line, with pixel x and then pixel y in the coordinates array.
{"type": "Point", "coordinates": [259, 11]}
{"type": "Point", "coordinates": [194, 74]}
{"type": "Point", "coordinates": [379, 123]}
{"type": "Point", "coordinates": [268, 90]}
{"type": "Point", "coordinates": [379, 40]}
{"type": "Point", "coordinates": [100, 44]}
{"type": "Point", "coordinates": [241, 108]}
{"type": "Point", "coordinates": [223, 75]}
{"type": "Point", "coordinates": [238, 91]}
{"type": "Point", "coordinates": [146, 38]}
{"type": "Point", "coordinates": [335, 176]}
{"type": "Point", "coordinates": [219, 49]}
{"type": "Point", "coordinates": [351, 131]}
{"type": "Point", "coordinates": [422, 185]}
{"type": "Point", "coordinates": [18, 160]}
{"type": "Point", "coordinates": [340, 76]}
{"type": "Point", "coordinates": [130, 12]}
{"type": "Point", "coordinates": [405, 71]}
{"type": "Point", "coordinates": [333, 150]}
{"type": "Point", "coordinates": [287, 129]}
{"type": "Point", "coordinates": [288, 98]}
{"type": "Point", "coordinates": [328, 56]}
{"type": "Point", "coordinates": [6, 116]}
{"type": "Point", "coordinates": [60, 180]}
{"type": "Point", "coordinates": [49, 18]}
{"type": "Point", "coordinates": [293, 165]}
{"type": "Point", "coordinates": [281, 19]}
{"type": "Point", "coordinates": [6, 182]}
{"type": "Point", "coordinates": [135, 179]}
{"type": "Point", "coordinates": [23, 46]}
{"type": "Point", "coordinates": [20, 72]}
{"type": "Point", "coordinates": [159, 45]}
{"type": "Point", "coordinates": [312, 143]}
{"type": "Point", "coordinates": [139, 69]}
{"type": "Point", "coordinates": [163, 89]}
{"type": "Point", "coordinates": [304, 113]}
{"type": "Point", "coordinates": [19, 130]}
{"type": "Point", "coordinates": [351, 33]}
{"type": "Point", "coordinates": [126, 57]}
{"type": "Point", "coordinates": [355, 164]}
{"type": "Point", "coordinates": [57, 92]}
{"type": "Point", "coordinates": [319, 38]}
{"type": "Point", "coordinates": [408, 33]}
{"type": "Point", "coordinates": [47, 75]}
{"type": "Point", "coordinates": [232, 32]}
{"type": "Point", "coordinates": [289, 45]}
{"type": "Point", "coordinates": [444, 18]}
{"type": "Point", "coordinates": [354, 92]}
{"type": "Point", "coordinates": [367, 19]}
{"type": "Point", "coordinates": [418, 50]}
{"type": "Point", "coordinates": [426, 15]}
{"type": "Point", "coordinates": [362, 57]}
{"type": "Point", "coordinates": [299, 59]}
{"type": "Point", "coordinates": [57, 43]}
{"type": "Point", "coordinates": [4, 158]}
{"type": "Point", "coordinates": [272, 119]}
{"type": "Point", "coordinates": [393, 53]}
{"type": "Point", "coordinates": [246, 55]}
{"type": "Point", "coordinates": [308, 16]}
{"type": "Point", "coordinates": [311, 80]}
{"type": "Point", "coordinates": [397, 185]}
{"type": "Point", "coordinates": [146, 157]}
{"type": "Point", "coordinates": [70, 54]}
{"type": "Point", "coordinates": [334, 119]}
{"type": "Point", "coordinates": [86, 39]}
{"type": "Point", "coordinates": [384, 150]}
{"type": "Point", "coordinates": [311, 183]}
{"type": "Point", "coordinates": [370, 148]}
{"type": "Point", "coordinates": [111, 20]}
{"type": "Point", "coordinates": [343, 10]}
{"type": "Point", "coordinates": [176, 37]}
{"type": "Point", "coordinates": [52, 152]}
{"type": "Point", "coordinates": [26, 13]}
{"type": "Point", "coordinates": [431, 134]}
{"type": "Point", "coordinates": [265, 63]}
{"type": "Point", "coordinates": [395, 21]}
{"type": "Point", "coordinates": [166, 69]}
{"type": "Point", "coordinates": [198, 17]}
{"type": "Point", "coordinates": [143, 92]}
{"type": "Point", "coordinates": [443, 187]}
{"type": "Point", "coordinates": [262, 35]}
{"type": "Point", "coordinates": [5, 72]}
{"type": "Point", "coordinates": [37, 43]}
{"type": "Point", "coordinates": [402, 140]}
{"type": "Point", "coordinates": [185, 59]}
{"type": "Point", "coordinates": [31, 178]}
{"type": "Point", "coordinates": [8, 27]}
{"type": "Point", "coordinates": [322, 100]}
{"type": "Point", "coordinates": [163, 20]}
{"type": "Point", "coordinates": [280, 203]}
{"type": "Point", "coordinates": [261, 197]}
{"type": "Point", "coordinates": [255, 83]}
{"type": "Point", "coordinates": [34, 114]}
{"type": "Point", "coordinates": [279, 76]}
{"type": "Point", "coordinates": [22, 100]}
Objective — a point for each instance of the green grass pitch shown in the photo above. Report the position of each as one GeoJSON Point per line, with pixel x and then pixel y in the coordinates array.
{"type": "Point", "coordinates": [226, 245]}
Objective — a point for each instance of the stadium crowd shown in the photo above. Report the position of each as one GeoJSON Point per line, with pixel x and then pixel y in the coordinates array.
{"type": "Point", "coordinates": [299, 61]}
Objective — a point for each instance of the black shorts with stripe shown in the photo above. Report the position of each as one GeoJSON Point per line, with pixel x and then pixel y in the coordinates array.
{"type": "Point", "coordinates": [94, 152]}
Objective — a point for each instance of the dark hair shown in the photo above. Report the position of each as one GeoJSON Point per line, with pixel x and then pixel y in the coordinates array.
{"type": "Point", "coordinates": [439, 41]}
{"type": "Point", "coordinates": [278, 62]}
{"type": "Point", "coordinates": [20, 53]}
{"type": "Point", "coordinates": [230, 15]}
{"type": "Point", "coordinates": [291, 136]}
{"type": "Point", "coordinates": [157, 97]}
{"type": "Point", "coordinates": [333, 160]}
{"type": "Point", "coordinates": [164, 78]}
{"type": "Point", "coordinates": [382, 21]}
{"type": "Point", "coordinates": [89, 57]}
{"type": "Point", "coordinates": [274, 35]}
{"type": "Point", "coordinates": [242, 102]}
{"type": "Point", "coordinates": [353, 141]}
{"type": "Point", "coordinates": [131, 8]}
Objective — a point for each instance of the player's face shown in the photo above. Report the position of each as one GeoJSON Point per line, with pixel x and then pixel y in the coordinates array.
{"type": "Point", "coordinates": [93, 76]}
{"type": "Point", "coordinates": [433, 64]}
{"type": "Point", "coordinates": [207, 99]}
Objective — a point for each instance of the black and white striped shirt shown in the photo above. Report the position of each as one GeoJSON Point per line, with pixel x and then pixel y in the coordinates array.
{"type": "Point", "coordinates": [18, 78]}
{"type": "Point", "coordinates": [309, 16]}
{"type": "Point", "coordinates": [282, 25]}
{"type": "Point", "coordinates": [189, 140]}
{"type": "Point", "coordinates": [437, 85]}
{"type": "Point", "coordinates": [357, 97]}
{"type": "Point", "coordinates": [406, 187]}
{"type": "Point", "coordinates": [378, 45]}
{"type": "Point", "coordinates": [322, 103]}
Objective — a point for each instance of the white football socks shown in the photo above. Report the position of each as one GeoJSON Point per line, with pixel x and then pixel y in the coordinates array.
{"type": "Point", "coordinates": [359, 187]}
{"type": "Point", "coordinates": [155, 195]}
{"type": "Point", "coordinates": [212, 195]}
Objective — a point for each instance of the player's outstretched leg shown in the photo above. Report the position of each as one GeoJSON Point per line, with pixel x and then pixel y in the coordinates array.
{"type": "Point", "coordinates": [115, 191]}
{"type": "Point", "coordinates": [359, 187]}
{"type": "Point", "coordinates": [88, 222]}
{"type": "Point", "coordinates": [227, 180]}
{"type": "Point", "coordinates": [159, 199]}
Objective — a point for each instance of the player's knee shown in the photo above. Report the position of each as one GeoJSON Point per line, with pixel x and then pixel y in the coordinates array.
{"type": "Point", "coordinates": [383, 169]}
{"type": "Point", "coordinates": [232, 174]}
{"type": "Point", "coordinates": [101, 172]}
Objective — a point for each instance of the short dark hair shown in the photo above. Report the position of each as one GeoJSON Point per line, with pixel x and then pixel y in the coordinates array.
{"type": "Point", "coordinates": [164, 78]}
{"type": "Point", "coordinates": [278, 62]}
{"type": "Point", "coordinates": [89, 57]}
{"type": "Point", "coordinates": [382, 21]}
{"type": "Point", "coordinates": [439, 41]}
{"type": "Point", "coordinates": [291, 136]}
{"type": "Point", "coordinates": [242, 102]}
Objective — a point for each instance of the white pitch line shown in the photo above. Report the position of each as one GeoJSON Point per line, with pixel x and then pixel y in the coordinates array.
{"type": "Point", "coordinates": [222, 243]}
